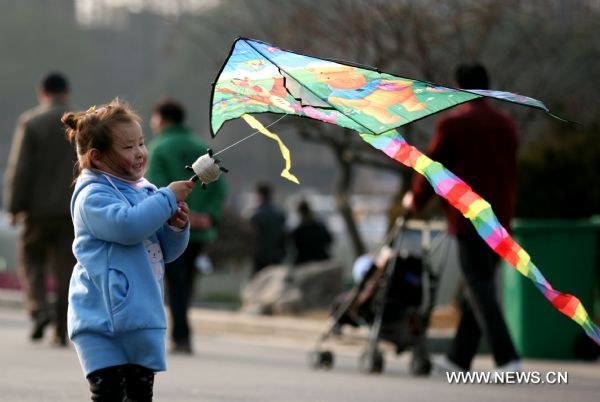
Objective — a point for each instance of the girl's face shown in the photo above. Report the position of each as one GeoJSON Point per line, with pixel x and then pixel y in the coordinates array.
{"type": "Point", "coordinates": [128, 155]}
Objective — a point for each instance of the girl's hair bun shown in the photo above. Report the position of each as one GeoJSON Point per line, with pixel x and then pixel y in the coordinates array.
{"type": "Point", "coordinates": [70, 120]}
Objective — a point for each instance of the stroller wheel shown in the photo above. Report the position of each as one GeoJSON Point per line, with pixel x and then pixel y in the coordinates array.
{"type": "Point", "coordinates": [320, 359]}
{"type": "Point", "coordinates": [371, 363]}
{"type": "Point", "coordinates": [420, 366]}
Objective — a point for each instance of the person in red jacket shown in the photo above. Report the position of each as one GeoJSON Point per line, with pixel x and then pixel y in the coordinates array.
{"type": "Point", "coordinates": [478, 143]}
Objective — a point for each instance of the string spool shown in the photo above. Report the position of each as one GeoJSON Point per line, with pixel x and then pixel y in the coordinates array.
{"type": "Point", "coordinates": [206, 169]}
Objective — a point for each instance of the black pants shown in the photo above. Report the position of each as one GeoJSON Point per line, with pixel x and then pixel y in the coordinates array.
{"type": "Point", "coordinates": [180, 276]}
{"type": "Point", "coordinates": [114, 384]}
{"type": "Point", "coordinates": [481, 313]}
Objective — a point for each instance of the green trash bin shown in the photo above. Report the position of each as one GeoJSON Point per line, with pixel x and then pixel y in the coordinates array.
{"type": "Point", "coordinates": [565, 253]}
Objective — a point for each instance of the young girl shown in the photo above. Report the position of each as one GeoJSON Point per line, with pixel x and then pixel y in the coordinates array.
{"type": "Point", "coordinates": [125, 230]}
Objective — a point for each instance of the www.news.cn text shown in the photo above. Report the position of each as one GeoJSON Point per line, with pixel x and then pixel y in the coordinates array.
{"type": "Point", "coordinates": [507, 377]}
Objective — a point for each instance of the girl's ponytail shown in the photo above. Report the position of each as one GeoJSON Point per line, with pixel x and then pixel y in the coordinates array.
{"type": "Point", "coordinates": [69, 119]}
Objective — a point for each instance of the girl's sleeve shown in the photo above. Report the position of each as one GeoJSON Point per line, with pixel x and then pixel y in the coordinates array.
{"type": "Point", "coordinates": [110, 218]}
{"type": "Point", "coordinates": [173, 242]}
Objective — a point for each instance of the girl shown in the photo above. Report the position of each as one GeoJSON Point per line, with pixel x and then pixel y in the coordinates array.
{"type": "Point", "coordinates": [125, 230]}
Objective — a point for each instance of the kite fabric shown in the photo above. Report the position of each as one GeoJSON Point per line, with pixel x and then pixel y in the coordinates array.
{"type": "Point", "coordinates": [258, 77]}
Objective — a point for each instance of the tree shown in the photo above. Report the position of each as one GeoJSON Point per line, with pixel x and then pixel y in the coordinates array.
{"type": "Point", "coordinates": [566, 166]}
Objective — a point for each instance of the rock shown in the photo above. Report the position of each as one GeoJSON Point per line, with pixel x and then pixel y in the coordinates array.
{"type": "Point", "coordinates": [282, 290]}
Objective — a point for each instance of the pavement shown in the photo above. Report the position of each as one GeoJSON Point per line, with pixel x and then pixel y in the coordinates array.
{"type": "Point", "coordinates": [242, 357]}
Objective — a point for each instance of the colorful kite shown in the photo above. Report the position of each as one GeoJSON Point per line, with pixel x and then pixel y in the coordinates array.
{"type": "Point", "coordinates": [258, 77]}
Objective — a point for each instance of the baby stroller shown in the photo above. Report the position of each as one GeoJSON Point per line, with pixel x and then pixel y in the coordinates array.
{"type": "Point", "coordinates": [394, 299]}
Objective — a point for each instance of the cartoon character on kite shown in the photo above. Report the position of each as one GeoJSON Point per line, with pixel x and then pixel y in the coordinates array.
{"type": "Point", "coordinates": [350, 88]}
{"type": "Point", "coordinates": [258, 95]}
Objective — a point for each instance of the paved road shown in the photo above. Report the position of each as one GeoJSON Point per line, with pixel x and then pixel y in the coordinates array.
{"type": "Point", "coordinates": [233, 367]}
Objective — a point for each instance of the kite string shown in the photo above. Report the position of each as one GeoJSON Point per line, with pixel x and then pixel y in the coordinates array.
{"type": "Point", "coordinates": [248, 136]}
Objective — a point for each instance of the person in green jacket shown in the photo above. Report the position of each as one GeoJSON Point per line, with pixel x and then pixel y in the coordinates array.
{"type": "Point", "coordinates": [174, 147]}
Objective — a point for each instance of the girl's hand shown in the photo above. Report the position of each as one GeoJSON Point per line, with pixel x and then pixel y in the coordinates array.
{"type": "Point", "coordinates": [181, 217]}
{"type": "Point", "coordinates": [181, 189]}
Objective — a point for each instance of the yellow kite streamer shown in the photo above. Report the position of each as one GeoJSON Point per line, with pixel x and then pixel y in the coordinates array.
{"type": "Point", "coordinates": [285, 152]}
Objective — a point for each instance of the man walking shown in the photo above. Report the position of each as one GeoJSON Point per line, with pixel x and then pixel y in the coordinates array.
{"type": "Point", "coordinates": [460, 136]}
{"type": "Point", "coordinates": [37, 191]}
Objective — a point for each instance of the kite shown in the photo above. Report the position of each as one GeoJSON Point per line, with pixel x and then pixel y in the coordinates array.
{"type": "Point", "coordinates": [260, 78]}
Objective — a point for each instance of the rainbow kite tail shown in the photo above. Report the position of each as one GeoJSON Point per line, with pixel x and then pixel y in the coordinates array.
{"type": "Point", "coordinates": [460, 195]}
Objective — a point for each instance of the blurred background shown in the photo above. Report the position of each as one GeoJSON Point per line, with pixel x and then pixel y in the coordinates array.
{"type": "Point", "coordinates": [141, 50]}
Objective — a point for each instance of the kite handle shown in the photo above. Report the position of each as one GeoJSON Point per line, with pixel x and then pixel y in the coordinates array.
{"type": "Point", "coordinates": [206, 169]}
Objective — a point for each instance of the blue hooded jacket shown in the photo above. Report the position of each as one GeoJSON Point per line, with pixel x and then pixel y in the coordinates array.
{"type": "Point", "coordinates": [122, 241]}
